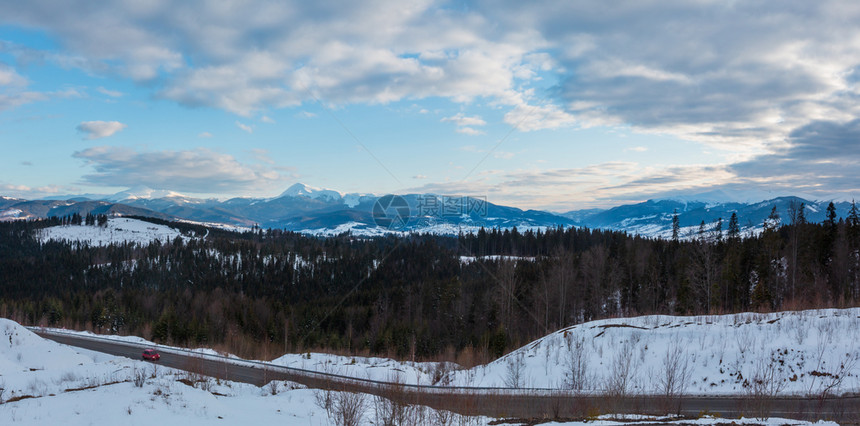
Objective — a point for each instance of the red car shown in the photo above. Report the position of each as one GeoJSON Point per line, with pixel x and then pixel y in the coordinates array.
{"type": "Point", "coordinates": [151, 355]}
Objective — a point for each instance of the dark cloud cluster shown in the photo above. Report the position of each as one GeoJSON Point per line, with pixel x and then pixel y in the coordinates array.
{"type": "Point", "coordinates": [822, 157]}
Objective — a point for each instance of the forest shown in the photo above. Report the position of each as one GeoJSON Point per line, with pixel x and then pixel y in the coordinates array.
{"type": "Point", "coordinates": [469, 298]}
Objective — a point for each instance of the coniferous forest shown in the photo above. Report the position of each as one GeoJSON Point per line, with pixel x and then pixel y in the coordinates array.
{"type": "Point", "coordinates": [469, 298]}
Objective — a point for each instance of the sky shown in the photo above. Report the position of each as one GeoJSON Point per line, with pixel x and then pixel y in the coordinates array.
{"type": "Point", "coordinates": [556, 105]}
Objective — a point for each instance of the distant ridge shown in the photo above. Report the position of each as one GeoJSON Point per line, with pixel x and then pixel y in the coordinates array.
{"type": "Point", "coordinates": [304, 208]}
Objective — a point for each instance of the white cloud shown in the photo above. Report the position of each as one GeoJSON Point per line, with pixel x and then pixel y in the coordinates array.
{"type": "Point", "coordinates": [111, 93]}
{"type": "Point", "coordinates": [244, 127]}
{"type": "Point", "coordinates": [199, 170]}
{"type": "Point", "coordinates": [204, 135]}
{"type": "Point", "coordinates": [465, 124]}
{"type": "Point", "coordinates": [469, 131]}
{"type": "Point", "coordinates": [100, 129]}
{"type": "Point", "coordinates": [266, 119]}
{"type": "Point", "coordinates": [32, 193]}
{"type": "Point", "coordinates": [461, 119]}
{"type": "Point", "coordinates": [306, 115]}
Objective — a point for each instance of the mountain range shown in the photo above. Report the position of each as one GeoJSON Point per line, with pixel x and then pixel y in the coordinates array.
{"type": "Point", "coordinates": [311, 210]}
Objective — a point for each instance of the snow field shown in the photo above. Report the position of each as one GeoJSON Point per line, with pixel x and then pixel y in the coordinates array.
{"type": "Point", "coordinates": [118, 230]}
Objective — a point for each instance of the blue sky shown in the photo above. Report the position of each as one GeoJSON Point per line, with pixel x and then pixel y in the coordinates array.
{"type": "Point", "coordinates": [546, 104]}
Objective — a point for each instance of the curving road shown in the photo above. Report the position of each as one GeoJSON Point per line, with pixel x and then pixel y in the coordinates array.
{"type": "Point", "coordinates": [483, 401]}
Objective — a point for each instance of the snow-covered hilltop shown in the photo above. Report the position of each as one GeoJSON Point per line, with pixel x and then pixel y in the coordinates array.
{"type": "Point", "coordinates": [117, 230]}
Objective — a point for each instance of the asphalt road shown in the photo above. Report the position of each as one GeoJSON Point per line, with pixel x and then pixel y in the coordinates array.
{"type": "Point", "coordinates": [494, 403]}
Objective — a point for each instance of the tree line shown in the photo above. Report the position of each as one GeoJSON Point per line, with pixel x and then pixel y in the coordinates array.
{"type": "Point", "coordinates": [469, 298]}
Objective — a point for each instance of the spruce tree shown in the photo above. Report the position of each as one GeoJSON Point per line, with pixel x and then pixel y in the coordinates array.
{"type": "Point", "coordinates": [734, 228]}
{"type": "Point", "coordinates": [676, 225]}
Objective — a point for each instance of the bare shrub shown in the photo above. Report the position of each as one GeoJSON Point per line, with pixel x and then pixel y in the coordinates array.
{"type": "Point", "coordinates": [576, 375]}
{"type": "Point", "coordinates": [515, 371]}
{"type": "Point", "coordinates": [138, 377]}
{"type": "Point", "coordinates": [2, 391]}
{"type": "Point", "coordinates": [348, 408]}
{"type": "Point", "coordinates": [441, 374]}
{"type": "Point", "coordinates": [324, 399]}
{"type": "Point", "coordinates": [390, 409]}
{"type": "Point", "coordinates": [767, 382]}
{"type": "Point", "coordinates": [675, 374]}
{"type": "Point", "coordinates": [621, 369]}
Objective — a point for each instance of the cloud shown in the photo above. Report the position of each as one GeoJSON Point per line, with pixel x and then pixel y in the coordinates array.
{"type": "Point", "coordinates": [199, 170]}
{"type": "Point", "coordinates": [267, 119]}
{"type": "Point", "coordinates": [32, 193]}
{"type": "Point", "coordinates": [469, 131]}
{"type": "Point", "coordinates": [737, 75]}
{"type": "Point", "coordinates": [461, 119]}
{"type": "Point", "coordinates": [306, 115]}
{"type": "Point", "coordinates": [204, 135]}
{"type": "Point", "coordinates": [466, 124]}
{"type": "Point", "coordinates": [14, 93]}
{"type": "Point", "coordinates": [263, 55]}
{"type": "Point", "coordinates": [111, 93]}
{"type": "Point", "coordinates": [100, 129]}
{"type": "Point", "coordinates": [245, 127]}
{"type": "Point", "coordinates": [821, 158]}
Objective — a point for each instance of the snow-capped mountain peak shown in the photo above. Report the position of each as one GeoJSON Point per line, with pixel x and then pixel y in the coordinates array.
{"type": "Point", "coordinates": [302, 190]}
{"type": "Point", "coordinates": [143, 192]}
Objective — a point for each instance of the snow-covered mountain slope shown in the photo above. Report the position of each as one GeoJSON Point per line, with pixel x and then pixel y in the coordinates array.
{"type": "Point", "coordinates": [63, 385]}
{"type": "Point", "coordinates": [791, 353]}
{"type": "Point", "coordinates": [118, 230]}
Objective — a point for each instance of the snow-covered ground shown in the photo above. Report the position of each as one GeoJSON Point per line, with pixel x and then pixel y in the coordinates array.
{"type": "Point", "coordinates": [118, 230]}
{"type": "Point", "coordinates": [795, 353]}
{"type": "Point", "coordinates": [788, 353]}
{"type": "Point", "coordinates": [804, 353]}
{"type": "Point", "coordinates": [46, 383]}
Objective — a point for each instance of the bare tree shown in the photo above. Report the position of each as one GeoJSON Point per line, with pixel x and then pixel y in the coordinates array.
{"type": "Point", "coordinates": [618, 382]}
{"type": "Point", "coordinates": [348, 408]}
{"type": "Point", "coordinates": [675, 373]}
{"type": "Point", "coordinates": [576, 375]}
{"type": "Point", "coordinates": [515, 370]}
{"type": "Point", "coordinates": [767, 382]}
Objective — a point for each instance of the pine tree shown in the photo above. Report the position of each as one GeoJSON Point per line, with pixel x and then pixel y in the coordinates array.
{"type": "Point", "coordinates": [831, 217]}
{"type": "Point", "coordinates": [853, 224]}
{"type": "Point", "coordinates": [772, 222]}
{"type": "Point", "coordinates": [801, 215]}
{"type": "Point", "coordinates": [718, 230]}
{"type": "Point", "coordinates": [734, 228]}
{"type": "Point", "coordinates": [676, 225]}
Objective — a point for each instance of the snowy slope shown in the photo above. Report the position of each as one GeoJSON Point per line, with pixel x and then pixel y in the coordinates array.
{"type": "Point", "coordinates": [69, 386]}
{"type": "Point", "coordinates": [118, 230]}
{"type": "Point", "coordinates": [805, 353]}
{"type": "Point", "coordinates": [45, 383]}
